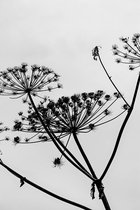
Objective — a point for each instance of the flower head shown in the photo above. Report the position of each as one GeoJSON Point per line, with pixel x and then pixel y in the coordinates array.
{"type": "Point", "coordinates": [131, 53]}
{"type": "Point", "coordinates": [57, 162]}
{"type": "Point", "coordinates": [80, 113]}
{"type": "Point", "coordinates": [19, 81]}
{"type": "Point", "coordinates": [95, 52]}
{"type": "Point", "coordinates": [16, 140]}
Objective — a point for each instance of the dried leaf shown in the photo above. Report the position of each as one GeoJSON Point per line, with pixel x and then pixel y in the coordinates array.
{"type": "Point", "coordinates": [92, 191]}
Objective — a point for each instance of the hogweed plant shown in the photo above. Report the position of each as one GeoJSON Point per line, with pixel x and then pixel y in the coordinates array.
{"type": "Point", "coordinates": [67, 118]}
{"type": "Point", "coordinates": [16, 82]}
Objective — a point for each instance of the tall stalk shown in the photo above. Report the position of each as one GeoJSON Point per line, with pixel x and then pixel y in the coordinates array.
{"type": "Point", "coordinates": [98, 183]}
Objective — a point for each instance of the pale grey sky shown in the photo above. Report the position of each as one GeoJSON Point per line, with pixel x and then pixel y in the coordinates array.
{"type": "Point", "coordinates": [61, 34]}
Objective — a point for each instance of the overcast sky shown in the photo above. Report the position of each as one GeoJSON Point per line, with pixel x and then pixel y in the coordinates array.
{"type": "Point", "coordinates": [60, 34]}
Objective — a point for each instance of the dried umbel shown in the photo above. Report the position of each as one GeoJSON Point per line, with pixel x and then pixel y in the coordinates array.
{"type": "Point", "coordinates": [131, 53]}
{"type": "Point", "coordinates": [57, 162]}
{"type": "Point", "coordinates": [19, 81]}
{"type": "Point", "coordinates": [80, 113]}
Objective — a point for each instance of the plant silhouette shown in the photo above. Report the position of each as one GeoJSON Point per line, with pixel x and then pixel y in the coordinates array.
{"type": "Point", "coordinates": [69, 116]}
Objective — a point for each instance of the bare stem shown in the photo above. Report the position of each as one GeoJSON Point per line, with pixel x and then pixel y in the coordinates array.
{"type": "Point", "coordinates": [109, 77]}
{"type": "Point", "coordinates": [97, 182]}
{"type": "Point", "coordinates": [84, 155]}
{"type": "Point", "coordinates": [122, 129]}
{"type": "Point", "coordinates": [25, 180]}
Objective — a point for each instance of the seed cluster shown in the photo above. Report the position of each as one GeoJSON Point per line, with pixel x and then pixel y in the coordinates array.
{"type": "Point", "coordinates": [19, 81]}
{"type": "Point", "coordinates": [80, 113]}
{"type": "Point", "coordinates": [131, 53]}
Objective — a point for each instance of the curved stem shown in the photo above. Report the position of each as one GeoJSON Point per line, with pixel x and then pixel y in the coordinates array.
{"type": "Point", "coordinates": [122, 129]}
{"type": "Point", "coordinates": [57, 142]}
{"type": "Point", "coordinates": [25, 180]}
{"type": "Point", "coordinates": [109, 77]}
{"type": "Point", "coordinates": [97, 182]}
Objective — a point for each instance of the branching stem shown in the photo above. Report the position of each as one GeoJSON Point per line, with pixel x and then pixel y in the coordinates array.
{"type": "Point", "coordinates": [122, 129]}
{"type": "Point", "coordinates": [97, 182]}
{"type": "Point", "coordinates": [57, 142]}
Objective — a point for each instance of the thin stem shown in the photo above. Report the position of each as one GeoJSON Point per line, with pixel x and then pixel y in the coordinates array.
{"type": "Point", "coordinates": [25, 180]}
{"type": "Point", "coordinates": [110, 119]}
{"type": "Point", "coordinates": [122, 129]}
{"type": "Point", "coordinates": [84, 155]}
{"type": "Point", "coordinates": [66, 145]}
{"type": "Point", "coordinates": [57, 142]}
{"type": "Point", "coordinates": [109, 77]}
{"type": "Point", "coordinates": [97, 182]}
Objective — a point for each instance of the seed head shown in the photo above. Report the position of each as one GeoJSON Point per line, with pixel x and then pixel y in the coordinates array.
{"type": "Point", "coordinates": [20, 81]}
{"type": "Point", "coordinates": [57, 162]}
{"type": "Point", "coordinates": [80, 113]}
{"type": "Point", "coordinates": [131, 53]}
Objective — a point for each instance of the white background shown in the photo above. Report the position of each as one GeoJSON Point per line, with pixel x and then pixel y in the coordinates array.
{"type": "Point", "coordinates": [61, 34]}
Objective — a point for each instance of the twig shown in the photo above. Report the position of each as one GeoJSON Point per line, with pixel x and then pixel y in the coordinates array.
{"type": "Point", "coordinates": [96, 54]}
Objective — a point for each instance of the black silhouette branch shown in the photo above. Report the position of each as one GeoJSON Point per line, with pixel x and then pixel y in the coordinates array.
{"type": "Point", "coordinates": [84, 155]}
{"type": "Point", "coordinates": [25, 180]}
{"type": "Point", "coordinates": [96, 54]}
{"type": "Point", "coordinates": [98, 183]}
